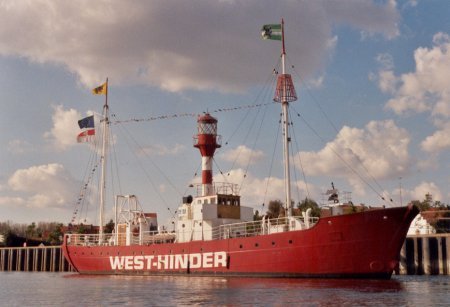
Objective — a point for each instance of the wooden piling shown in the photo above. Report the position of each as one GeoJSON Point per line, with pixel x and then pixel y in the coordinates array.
{"type": "Point", "coordinates": [425, 254]}
{"type": "Point", "coordinates": [34, 259]}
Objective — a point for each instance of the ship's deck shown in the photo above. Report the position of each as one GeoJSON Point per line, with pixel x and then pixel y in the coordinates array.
{"type": "Point", "coordinates": [227, 231]}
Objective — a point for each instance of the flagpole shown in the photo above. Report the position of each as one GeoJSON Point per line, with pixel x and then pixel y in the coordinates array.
{"type": "Point", "coordinates": [103, 165]}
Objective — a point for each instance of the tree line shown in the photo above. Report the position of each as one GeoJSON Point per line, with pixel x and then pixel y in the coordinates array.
{"type": "Point", "coordinates": [47, 233]}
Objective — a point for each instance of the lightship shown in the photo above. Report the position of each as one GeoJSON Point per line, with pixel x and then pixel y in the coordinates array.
{"type": "Point", "coordinates": [215, 235]}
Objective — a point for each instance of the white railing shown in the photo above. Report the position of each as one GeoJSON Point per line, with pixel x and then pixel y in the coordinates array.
{"type": "Point", "coordinates": [235, 230]}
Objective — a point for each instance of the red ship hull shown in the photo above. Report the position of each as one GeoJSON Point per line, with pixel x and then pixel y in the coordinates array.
{"type": "Point", "coordinates": [358, 245]}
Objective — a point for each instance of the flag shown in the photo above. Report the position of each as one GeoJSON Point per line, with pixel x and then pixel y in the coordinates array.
{"type": "Point", "coordinates": [101, 90]}
{"type": "Point", "coordinates": [87, 122]}
{"type": "Point", "coordinates": [272, 31]}
{"type": "Point", "coordinates": [86, 136]}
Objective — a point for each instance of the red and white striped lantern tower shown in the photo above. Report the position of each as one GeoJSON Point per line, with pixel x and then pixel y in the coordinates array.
{"type": "Point", "coordinates": [207, 141]}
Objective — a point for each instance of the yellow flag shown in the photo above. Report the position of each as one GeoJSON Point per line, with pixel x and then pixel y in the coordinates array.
{"type": "Point", "coordinates": [101, 90]}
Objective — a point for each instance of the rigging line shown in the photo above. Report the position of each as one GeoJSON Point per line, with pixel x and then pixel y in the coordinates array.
{"type": "Point", "coordinates": [272, 159]}
{"type": "Point", "coordinates": [142, 167]}
{"type": "Point", "coordinates": [116, 165]}
{"type": "Point", "coordinates": [148, 156]}
{"type": "Point", "coordinates": [84, 184]}
{"type": "Point", "coordinates": [316, 101]}
{"type": "Point", "coordinates": [220, 171]}
{"type": "Point", "coordinates": [300, 162]}
{"type": "Point", "coordinates": [172, 116]}
{"type": "Point", "coordinates": [87, 178]}
{"type": "Point", "coordinates": [250, 130]}
{"type": "Point", "coordinates": [342, 159]}
{"type": "Point", "coordinates": [253, 148]}
{"type": "Point", "coordinates": [84, 191]}
{"type": "Point", "coordinates": [291, 158]}
{"type": "Point", "coordinates": [270, 81]}
{"type": "Point", "coordinates": [110, 164]}
{"type": "Point", "coordinates": [244, 141]}
{"type": "Point", "coordinates": [195, 175]}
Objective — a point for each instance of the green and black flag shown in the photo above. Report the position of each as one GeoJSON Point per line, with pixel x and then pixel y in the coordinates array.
{"type": "Point", "coordinates": [272, 31]}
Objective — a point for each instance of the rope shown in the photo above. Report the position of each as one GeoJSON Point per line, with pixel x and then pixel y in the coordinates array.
{"type": "Point", "coordinates": [342, 159]}
{"type": "Point", "coordinates": [172, 116]}
{"type": "Point", "coordinates": [271, 161]}
{"type": "Point", "coordinates": [335, 129]}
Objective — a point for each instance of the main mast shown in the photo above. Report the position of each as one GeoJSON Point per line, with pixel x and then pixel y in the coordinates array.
{"type": "Point", "coordinates": [103, 161]}
{"type": "Point", "coordinates": [285, 93]}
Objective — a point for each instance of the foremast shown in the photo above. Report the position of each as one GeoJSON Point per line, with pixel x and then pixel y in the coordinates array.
{"type": "Point", "coordinates": [103, 90]}
{"type": "Point", "coordinates": [285, 93]}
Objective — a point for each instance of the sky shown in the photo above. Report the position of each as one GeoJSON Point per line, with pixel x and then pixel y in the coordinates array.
{"type": "Point", "coordinates": [372, 78]}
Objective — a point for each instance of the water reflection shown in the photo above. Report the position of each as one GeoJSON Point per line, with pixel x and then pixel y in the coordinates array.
{"type": "Point", "coordinates": [360, 285]}
{"type": "Point", "coordinates": [82, 290]}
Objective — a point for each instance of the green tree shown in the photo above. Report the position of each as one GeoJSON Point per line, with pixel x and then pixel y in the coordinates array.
{"type": "Point", "coordinates": [256, 216]}
{"type": "Point", "coordinates": [82, 229]}
{"type": "Point", "coordinates": [109, 227]}
{"type": "Point", "coordinates": [275, 209]}
{"type": "Point", "coordinates": [31, 230]}
{"type": "Point", "coordinates": [309, 203]}
{"type": "Point", "coordinates": [55, 237]}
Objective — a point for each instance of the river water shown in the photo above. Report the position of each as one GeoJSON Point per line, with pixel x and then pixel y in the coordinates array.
{"type": "Point", "coordinates": [68, 289]}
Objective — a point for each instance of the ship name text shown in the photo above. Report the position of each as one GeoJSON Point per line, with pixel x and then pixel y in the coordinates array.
{"type": "Point", "coordinates": [169, 262]}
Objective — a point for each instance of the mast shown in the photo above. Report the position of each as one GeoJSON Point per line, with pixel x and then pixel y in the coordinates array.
{"type": "Point", "coordinates": [286, 139]}
{"type": "Point", "coordinates": [284, 94]}
{"type": "Point", "coordinates": [103, 164]}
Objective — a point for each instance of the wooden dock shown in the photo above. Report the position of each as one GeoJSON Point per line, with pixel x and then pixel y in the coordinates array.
{"type": "Point", "coordinates": [34, 259]}
{"type": "Point", "coordinates": [425, 255]}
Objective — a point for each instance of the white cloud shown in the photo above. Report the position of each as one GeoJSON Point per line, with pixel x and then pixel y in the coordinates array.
{"type": "Point", "coordinates": [65, 128]}
{"type": "Point", "coordinates": [426, 89]}
{"type": "Point", "coordinates": [380, 149]}
{"type": "Point", "coordinates": [367, 16]}
{"type": "Point", "coordinates": [242, 155]}
{"type": "Point", "coordinates": [178, 45]}
{"type": "Point", "coordinates": [386, 61]}
{"type": "Point", "coordinates": [19, 147]}
{"type": "Point", "coordinates": [419, 192]}
{"type": "Point", "coordinates": [41, 186]}
{"type": "Point", "coordinates": [162, 150]}
{"type": "Point", "coordinates": [437, 142]}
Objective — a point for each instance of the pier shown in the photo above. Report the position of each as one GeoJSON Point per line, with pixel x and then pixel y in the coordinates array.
{"type": "Point", "coordinates": [425, 255]}
{"type": "Point", "coordinates": [34, 259]}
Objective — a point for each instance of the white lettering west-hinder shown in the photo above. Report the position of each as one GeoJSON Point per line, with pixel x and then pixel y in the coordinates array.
{"type": "Point", "coordinates": [169, 262]}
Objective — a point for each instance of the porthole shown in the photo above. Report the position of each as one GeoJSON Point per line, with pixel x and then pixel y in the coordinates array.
{"type": "Point", "coordinates": [273, 243]}
{"type": "Point", "coordinates": [290, 241]}
{"type": "Point", "coordinates": [256, 244]}
{"type": "Point", "coordinates": [240, 246]}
